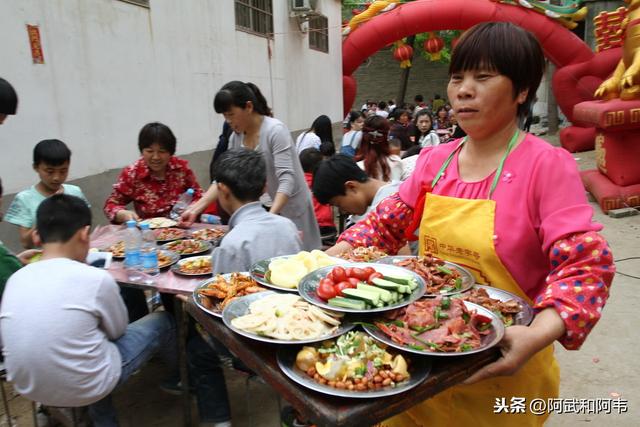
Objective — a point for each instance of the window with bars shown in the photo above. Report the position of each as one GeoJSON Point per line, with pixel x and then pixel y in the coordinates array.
{"type": "Point", "coordinates": [255, 16]}
{"type": "Point", "coordinates": [143, 3]}
{"type": "Point", "coordinates": [319, 33]}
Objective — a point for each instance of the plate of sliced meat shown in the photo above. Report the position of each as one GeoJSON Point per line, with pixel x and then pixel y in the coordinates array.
{"type": "Point", "coordinates": [441, 326]}
{"type": "Point", "coordinates": [442, 277]}
{"type": "Point", "coordinates": [512, 309]}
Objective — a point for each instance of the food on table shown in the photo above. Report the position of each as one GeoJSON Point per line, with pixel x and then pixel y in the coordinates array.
{"type": "Point", "coordinates": [208, 234]}
{"type": "Point", "coordinates": [439, 278]}
{"type": "Point", "coordinates": [221, 291]}
{"type": "Point", "coordinates": [159, 222]}
{"type": "Point", "coordinates": [196, 265]}
{"type": "Point", "coordinates": [117, 249]}
{"type": "Point", "coordinates": [355, 361]}
{"type": "Point", "coordinates": [363, 254]}
{"type": "Point", "coordinates": [186, 246]}
{"type": "Point", "coordinates": [505, 310]}
{"type": "Point", "coordinates": [287, 317]}
{"type": "Point", "coordinates": [169, 233]}
{"type": "Point", "coordinates": [362, 288]}
{"type": "Point", "coordinates": [164, 259]}
{"type": "Point", "coordinates": [440, 324]}
{"type": "Point", "coordinates": [287, 272]}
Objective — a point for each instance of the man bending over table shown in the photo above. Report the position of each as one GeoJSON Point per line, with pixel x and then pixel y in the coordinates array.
{"type": "Point", "coordinates": [63, 325]}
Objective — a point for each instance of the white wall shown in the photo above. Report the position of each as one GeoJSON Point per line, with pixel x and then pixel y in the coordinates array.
{"type": "Point", "coordinates": [110, 67]}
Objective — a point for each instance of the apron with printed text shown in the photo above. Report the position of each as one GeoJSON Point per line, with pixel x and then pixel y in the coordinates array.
{"type": "Point", "coordinates": [462, 231]}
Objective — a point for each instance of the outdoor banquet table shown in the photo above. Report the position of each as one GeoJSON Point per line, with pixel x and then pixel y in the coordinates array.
{"type": "Point", "coordinates": [260, 357]}
{"type": "Point", "coordinates": [166, 282]}
{"type": "Point", "coordinates": [325, 410]}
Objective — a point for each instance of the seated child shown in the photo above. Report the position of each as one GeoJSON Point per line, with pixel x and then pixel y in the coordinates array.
{"type": "Point", "coordinates": [63, 325]}
{"type": "Point", "coordinates": [10, 263]}
{"type": "Point", "coordinates": [340, 182]}
{"type": "Point", "coordinates": [254, 234]}
{"type": "Point", "coordinates": [51, 159]}
{"type": "Point", "coordinates": [310, 158]}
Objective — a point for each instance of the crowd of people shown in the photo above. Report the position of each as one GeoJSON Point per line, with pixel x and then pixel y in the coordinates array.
{"type": "Point", "coordinates": [403, 173]}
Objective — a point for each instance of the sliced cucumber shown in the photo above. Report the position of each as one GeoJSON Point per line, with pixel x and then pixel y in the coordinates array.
{"type": "Point", "coordinates": [409, 281]}
{"type": "Point", "coordinates": [354, 304]}
{"type": "Point", "coordinates": [372, 298]}
{"type": "Point", "coordinates": [385, 295]}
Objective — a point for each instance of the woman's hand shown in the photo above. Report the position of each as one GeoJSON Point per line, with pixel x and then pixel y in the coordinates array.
{"type": "Point", "coordinates": [187, 218]}
{"type": "Point", "coordinates": [26, 256]}
{"type": "Point", "coordinates": [520, 343]}
{"type": "Point", "coordinates": [125, 215]}
{"type": "Point", "coordinates": [339, 248]}
{"type": "Point", "coordinates": [190, 214]}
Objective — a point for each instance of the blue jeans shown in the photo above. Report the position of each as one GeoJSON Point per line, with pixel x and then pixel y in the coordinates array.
{"type": "Point", "coordinates": [154, 333]}
{"type": "Point", "coordinates": [208, 379]}
{"type": "Point", "coordinates": [347, 150]}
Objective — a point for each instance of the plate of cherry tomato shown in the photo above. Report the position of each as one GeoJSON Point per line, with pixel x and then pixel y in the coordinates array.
{"type": "Point", "coordinates": [328, 286]}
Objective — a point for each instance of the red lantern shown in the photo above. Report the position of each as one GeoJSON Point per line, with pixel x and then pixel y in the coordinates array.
{"type": "Point", "coordinates": [403, 53]}
{"type": "Point", "coordinates": [434, 45]}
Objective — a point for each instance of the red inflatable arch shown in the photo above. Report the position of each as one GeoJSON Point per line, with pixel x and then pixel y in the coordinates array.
{"type": "Point", "coordinates": [560, 45]}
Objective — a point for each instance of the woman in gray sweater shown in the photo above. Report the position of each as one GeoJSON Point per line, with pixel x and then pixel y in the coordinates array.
{"type": "Point", "coordinates": [246, 110]}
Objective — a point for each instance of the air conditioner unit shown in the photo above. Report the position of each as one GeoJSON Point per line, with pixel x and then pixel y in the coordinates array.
{"type": "Point", "coordinates": [301, 7]}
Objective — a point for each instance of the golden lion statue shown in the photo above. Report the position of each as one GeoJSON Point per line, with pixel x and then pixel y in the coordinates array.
{"type": "Point", "coordinates": [624, 83]}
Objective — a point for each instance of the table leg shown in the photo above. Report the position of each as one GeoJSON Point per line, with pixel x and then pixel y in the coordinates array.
{"type": "Point", "coordinates": [182, 322]}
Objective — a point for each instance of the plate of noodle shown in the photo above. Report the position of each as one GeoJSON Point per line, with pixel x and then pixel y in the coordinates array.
{"type": "Point", "coordinates": [283, 319]}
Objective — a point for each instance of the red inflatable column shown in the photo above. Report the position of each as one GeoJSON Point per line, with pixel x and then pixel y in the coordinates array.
{"type": "Point", "coordinates": [616, 182]}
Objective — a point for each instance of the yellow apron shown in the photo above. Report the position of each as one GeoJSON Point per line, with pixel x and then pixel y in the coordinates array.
{"type": "Point", "coordinates": [462, 231]}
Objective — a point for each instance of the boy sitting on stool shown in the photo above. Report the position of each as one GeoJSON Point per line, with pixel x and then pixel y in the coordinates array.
{"type": "Point", "coordinates": [64, 328]}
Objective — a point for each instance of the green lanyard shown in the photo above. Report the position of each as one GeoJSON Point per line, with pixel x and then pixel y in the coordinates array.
{"type": "Point", "coordinates": [444, 166]}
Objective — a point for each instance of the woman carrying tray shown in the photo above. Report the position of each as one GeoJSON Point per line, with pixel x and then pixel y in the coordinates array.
{"type": "Point", "coordinates": [510, 208]}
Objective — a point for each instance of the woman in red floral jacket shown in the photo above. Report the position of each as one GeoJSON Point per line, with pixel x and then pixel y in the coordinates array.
{"type": "Point", "coordinates": [153, 182]}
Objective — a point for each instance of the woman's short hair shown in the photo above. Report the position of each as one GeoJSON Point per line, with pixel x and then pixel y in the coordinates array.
{"type": "Point", "coordinates": [505, 48]}
{"type": "Point", "coordinates": [157, 133]}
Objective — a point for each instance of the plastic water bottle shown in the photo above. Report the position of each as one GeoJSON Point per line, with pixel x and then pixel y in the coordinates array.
{"type": "Point", "coordinates": [183, 202]}
{"type": "Point", "coordinates": [149, 252]}
{"type": "Point", "coordinates": [132, 261]}
{"type": "Point", "coordinates": [210, 219]}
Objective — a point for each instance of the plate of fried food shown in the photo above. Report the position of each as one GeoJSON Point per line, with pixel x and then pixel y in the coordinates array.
{"type": "Point", "coordinates": [164, 235]}
{"type": "Point", "coordinates": [442, 277]}
{"type": "Point", "coordinates": [188, 247]}
{"type": "Point", "coordinates": [159, 222]}
{"type": "Point", "coordinates": [512, 309]}
{"type": "Point", "coordinates": [214, 294]}
{"type": "Point", "coordinates": [193, 266]}
{"type": "Point", "coordinates": [362, 254]}
{"type": "Point", "coordinates": [116, 249]}
{"type": "Point", "coordinates": [209, 234]}
{"type": "Point", "coordinates": [167, 258]}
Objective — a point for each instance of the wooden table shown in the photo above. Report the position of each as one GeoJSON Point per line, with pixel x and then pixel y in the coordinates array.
{"type": "Point", "coordinates": [166, 282]}
{"type": "Point", "coordinates": [338, 411]}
